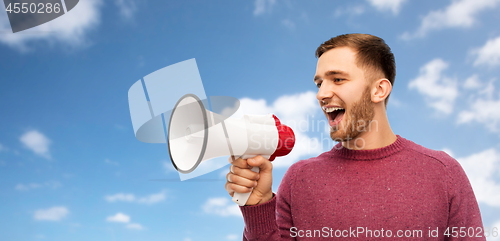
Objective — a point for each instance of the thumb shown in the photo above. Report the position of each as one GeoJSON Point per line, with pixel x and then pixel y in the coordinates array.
{"type": "Point", "coordinates": [261, 162]}
{"type": "Point", "coordinates": [263, 191]}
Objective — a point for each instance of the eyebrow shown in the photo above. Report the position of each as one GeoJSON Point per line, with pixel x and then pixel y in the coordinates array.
{"type": "Point", "coordinates": [332, 72]}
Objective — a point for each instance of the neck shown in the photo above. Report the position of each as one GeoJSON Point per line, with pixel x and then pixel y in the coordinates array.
{"type": "Point", "coordinates": [379, 134]}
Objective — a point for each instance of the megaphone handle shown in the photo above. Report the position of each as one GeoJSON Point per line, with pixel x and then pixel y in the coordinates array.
{"type": "Point", "coordinates": [242, 198]}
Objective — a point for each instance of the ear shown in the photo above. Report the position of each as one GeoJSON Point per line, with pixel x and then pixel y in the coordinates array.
{"type": "Point", "coordinates": [380, 90]}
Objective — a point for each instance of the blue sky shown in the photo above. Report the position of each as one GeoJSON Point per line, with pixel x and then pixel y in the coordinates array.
{"type": "Point", "coordinates": [71, 168]}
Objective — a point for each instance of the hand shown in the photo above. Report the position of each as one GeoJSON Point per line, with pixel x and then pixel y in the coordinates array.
{"type": "Point", "coordinates": [241, 179]}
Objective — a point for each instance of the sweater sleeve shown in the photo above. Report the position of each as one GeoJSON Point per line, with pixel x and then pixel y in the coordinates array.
{"type": "Point", "coordinates": [284, 204]}
{"type": "Point", "coordinates": [271, 220]}
{"type": "Point", "coordinates": [464, 211]}
{"type": "Point", "coordinates": [260, 221]}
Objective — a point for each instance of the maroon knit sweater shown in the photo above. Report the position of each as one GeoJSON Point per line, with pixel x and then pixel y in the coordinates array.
{"type": "Point", "coordinates": [403, 190]}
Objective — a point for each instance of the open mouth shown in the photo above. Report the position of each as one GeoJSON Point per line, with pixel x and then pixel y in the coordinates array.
{"type": "Point", "coordinates": [335, 115]}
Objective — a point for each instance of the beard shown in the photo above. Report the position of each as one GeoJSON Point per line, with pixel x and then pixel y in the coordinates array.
{"type": "Point", "coordinates": [357, 119]}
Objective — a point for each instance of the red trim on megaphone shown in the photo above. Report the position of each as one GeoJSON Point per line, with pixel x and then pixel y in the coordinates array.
{"type": "Point", "coordinates": [286, 140]}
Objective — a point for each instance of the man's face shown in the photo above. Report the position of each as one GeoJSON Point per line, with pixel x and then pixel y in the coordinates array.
{"type": "Point", "coordinates": [343, 94]}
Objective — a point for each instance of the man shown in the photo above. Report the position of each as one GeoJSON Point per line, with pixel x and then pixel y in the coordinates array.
{"type": "Point", "coordinates": [373, 185]}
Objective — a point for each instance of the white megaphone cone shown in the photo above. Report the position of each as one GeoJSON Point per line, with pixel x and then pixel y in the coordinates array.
{"type": "Point", "coordinates": [196, 134]}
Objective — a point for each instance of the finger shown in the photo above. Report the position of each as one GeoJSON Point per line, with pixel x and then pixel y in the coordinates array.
{"type": "Point", "coordinates": [240, 180]}
{"type": "Point", "coordinates": [239, 189]}
{"type": "Point", "coordinates": [243, 172]}
{"type": "Point", "coordinates": [241, 163]}
{"type": "Point", "coordinates": [228, 189]}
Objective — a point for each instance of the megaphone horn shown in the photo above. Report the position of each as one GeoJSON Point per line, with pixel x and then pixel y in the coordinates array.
{"type": "Point", "coordinates": [196, 134]}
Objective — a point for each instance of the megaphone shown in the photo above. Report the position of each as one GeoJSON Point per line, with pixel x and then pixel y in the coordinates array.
{"type": "Point", "coordinates": [196, 134]}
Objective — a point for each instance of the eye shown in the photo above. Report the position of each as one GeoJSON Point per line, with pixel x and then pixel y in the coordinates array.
{"type": "Point", "coordinates": [336, 80]}
{"type": "Point", "coordinates": [318, 83]}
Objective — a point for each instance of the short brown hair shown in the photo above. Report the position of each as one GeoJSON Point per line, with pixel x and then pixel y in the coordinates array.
{"type": "Point", "coordinates": [373, 54]}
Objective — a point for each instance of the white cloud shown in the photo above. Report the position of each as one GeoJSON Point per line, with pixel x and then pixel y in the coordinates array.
{"type": "Point", "coordinates": [472, 82]}
{"type": "Point", "coordinates": [112, 163]}
{"type": "Point", "coordinates": [40, 236]}
{"type": "Point", "coordinates": [70, 29]}
{"type": "Point", "coordinates": [124, 218]}
{"type": "Point", "coordinates": [221, 206]}
{"type": "Point", "coordinates": [459, 14]}
{"type": "Point", "coordinates": [489, 54]}
{"type": "Point", "coordinates": [262, 6]}
{"type": "Point", "coordinates": [51, 214]}
{"type": "Point", "coordinates": [118, 218]}
{"type": "Point", "coordinates": [483, 104]}
{"type": "Point", "coordinates": [134, 226]}
{"type": "Point", "coordinates": [295, 111]}
{"type": "Point", "coordinates": [350, 10]}
{"type": "Point", "coordinates": [488, 91]}
{"type": "Point", "coordinates": [37, 142]}
{"type": "Point", "coordinates": [127, 8]}
{"type": "Point", "coordinates": [484, 111]}
{"type": "Point", "coordinates": [300, 106]}
{"type": "Point", "coordinates": [482, 169]}
{"type": "Point", "coordinates": [439, 91]}
{"type": "Point", "coordinates": [232, 237]}
{"type": "Point", "coordinates": [128, 197]}
{"type": "Point", "coordinates": [153, 198]}
{"type": "Point", "coordinates": [387, 5]}
{"type": "Point", "coordinates": [120, 197]}
{"type": "Point", "coordinates": [30, 186]}
{"type": "Point", "coordinates": [289, 24]}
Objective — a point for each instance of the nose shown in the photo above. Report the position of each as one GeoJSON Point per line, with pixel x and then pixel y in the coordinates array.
{"type": "Point", "coordinates": [325, 92]}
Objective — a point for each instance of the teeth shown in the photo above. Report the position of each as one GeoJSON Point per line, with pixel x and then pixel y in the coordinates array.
{"type": "Point", "coordinates": [331, 109]}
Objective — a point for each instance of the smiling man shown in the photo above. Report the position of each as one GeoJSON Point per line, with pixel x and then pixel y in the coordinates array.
{"type": "Point", "coordinates": [373, 184]}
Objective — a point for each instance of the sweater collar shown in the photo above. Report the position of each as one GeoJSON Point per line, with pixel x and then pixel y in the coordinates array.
{"type": "Point", "coordinates": [395, 147]}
